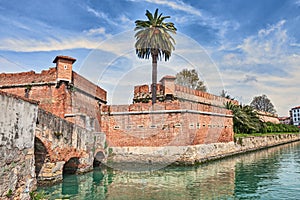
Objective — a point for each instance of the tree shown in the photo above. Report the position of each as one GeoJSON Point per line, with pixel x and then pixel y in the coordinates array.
{"type": "Point", "coordinates": [153, 39]}
{"type": "Point", "coordinates": [245, 118]}
{"type": "Point", "coordinates": [263, 103]}
{"type": "Point", "coordinates": [225, 94]}
{"type": "Point", "coordinates": [190, 78]}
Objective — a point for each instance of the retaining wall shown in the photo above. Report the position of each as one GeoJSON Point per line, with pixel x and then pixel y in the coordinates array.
{"type": "Point", "coordinates": [195, 153]}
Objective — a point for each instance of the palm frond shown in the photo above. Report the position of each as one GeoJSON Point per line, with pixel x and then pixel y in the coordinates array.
{"type": "Point", "coordinates": [153, 35]}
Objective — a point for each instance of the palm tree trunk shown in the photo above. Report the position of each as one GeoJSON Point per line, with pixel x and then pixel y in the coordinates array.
{"type": "Point", "coordinates": [154, 77]}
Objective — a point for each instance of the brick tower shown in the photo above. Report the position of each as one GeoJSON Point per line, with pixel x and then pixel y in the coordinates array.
{"type": "Point", "coordinates": [64, 68]}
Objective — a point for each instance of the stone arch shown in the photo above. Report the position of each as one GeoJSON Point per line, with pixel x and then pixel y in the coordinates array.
{"type": "Point", "coordinates": [40, 155]}
{"type": "Point", "coordinates": [99, 157]}
{"type": "Point", "coordinates": [71, 166]}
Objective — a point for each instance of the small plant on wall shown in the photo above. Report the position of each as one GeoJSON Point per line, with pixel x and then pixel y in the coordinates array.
{"type": "Point", "coordinates": [9, 193]}
{"type": "Point", "coordinates": [36, 195]}
{"type": "Point", "coordinates": [58, 134]}
{"type": "Point", "coordinates": [72, 88]}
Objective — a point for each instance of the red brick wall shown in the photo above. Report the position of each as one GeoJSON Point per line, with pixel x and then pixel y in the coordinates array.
{"type": "Point", "coordinates": [89, 107]}
{"type": "Point", "coordinates": [58, 99]}
{"type": "Point", "coordinates": [28, 77]}
{"type": "Point", "coordinates": [171, 129]}
{"type": "Point", "coordinates": [51, 99]}
{"type": "Point", "coordinates": [196, 95]}
{"type": "Point", "coordinates": [88, 86]}
{"type": "Point", "coordinates": [141, 89]}
{"type": "Point", "coordinates": [184, 93]}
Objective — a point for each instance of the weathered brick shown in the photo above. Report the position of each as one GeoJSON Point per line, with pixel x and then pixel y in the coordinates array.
{"type": "Point", "coordinates": [60, 91]}
{"type": "Point", "coordinates": [175, 129]}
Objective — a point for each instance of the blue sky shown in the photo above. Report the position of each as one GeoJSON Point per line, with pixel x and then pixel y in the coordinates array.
{"type": "Point", "coordinates": [248, 48]}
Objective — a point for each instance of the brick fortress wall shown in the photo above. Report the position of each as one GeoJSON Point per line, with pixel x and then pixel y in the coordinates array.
{"type": "Point", "coordinates": [181, 117]}
{"type": "Point", "coordinates": [59, 91]}
{"type": "Point", "coordinates": [166, 124]}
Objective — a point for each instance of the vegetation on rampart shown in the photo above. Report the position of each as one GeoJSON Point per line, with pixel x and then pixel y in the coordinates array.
{"type": "Point", "coordinates": [246, 121]}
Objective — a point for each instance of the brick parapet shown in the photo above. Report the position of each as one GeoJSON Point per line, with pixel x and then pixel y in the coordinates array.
{"type": "Point", "coordinates": [182, 93]}
{"type": "Point", "coordinates": [186, 93]}
{"type": "Point", "coordinates": [28, 77]}
{"type": "Point", "coordinates": [174, 105]}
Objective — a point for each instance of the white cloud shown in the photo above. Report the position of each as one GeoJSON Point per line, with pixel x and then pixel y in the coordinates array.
{"type": "Point", "coordinates": [88, 41]}
{"type": "Point", "coordinates": [32, 45]}
{"type": "Point", "coordinates": [269, 48]}
{"type": "Point", "coordinates": [101, 15]}
{"type": "Point", "coordinates": [272, 28]}
{"type": "Point", "coordinates": [202, 18]}
{"type": "Point", "coordinates": [97, 31]}
{"type": "Point", "coordinates": [124, 19]}
{"type": "Point", "coordinates": [176, 5]}
{"type": "Point", "coordinates": [295, 44]}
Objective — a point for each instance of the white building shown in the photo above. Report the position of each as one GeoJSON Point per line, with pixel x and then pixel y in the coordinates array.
{"type": "Point", "coordinates": [295, 116]}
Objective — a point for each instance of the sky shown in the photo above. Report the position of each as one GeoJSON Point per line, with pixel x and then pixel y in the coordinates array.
{"type": "Point", "coordinates": [246, 47]}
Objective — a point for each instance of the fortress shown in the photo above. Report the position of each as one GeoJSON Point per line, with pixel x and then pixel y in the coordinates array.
{"type": "Point", "coordinates": [67, 125]}
{"type": "Point", "coordinates": [182, 116]}
{"type": "Point", "coordinates": [57, 122]}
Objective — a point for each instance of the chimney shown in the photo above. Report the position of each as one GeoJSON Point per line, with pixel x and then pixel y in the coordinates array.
{"type": "Point", "coordinates": [64, 66]}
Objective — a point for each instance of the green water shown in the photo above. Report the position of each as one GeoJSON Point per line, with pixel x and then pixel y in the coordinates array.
{"type": "Point", "coordinates": [268, 174]}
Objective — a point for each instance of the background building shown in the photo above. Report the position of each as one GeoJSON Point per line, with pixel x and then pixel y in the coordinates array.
{"type": "Point", "coordinates": [285, 120]}
{"type": "Point", "coordinates": [295, 116]}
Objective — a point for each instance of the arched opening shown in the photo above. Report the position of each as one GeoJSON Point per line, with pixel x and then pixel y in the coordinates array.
{"type": "Point", "coordinates": [98, 159]}
{"type": "Point", "coordinates": [40, 154]}
{"type": "Point", "coordinates": [71, 166]}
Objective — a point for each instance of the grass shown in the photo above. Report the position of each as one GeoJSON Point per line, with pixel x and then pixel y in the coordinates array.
{"type": "Point", "coordinates": [241, 135]}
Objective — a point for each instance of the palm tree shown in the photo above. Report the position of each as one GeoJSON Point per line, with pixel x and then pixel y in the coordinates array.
{"type": "Point", "coordinates": [245, 118]}
{"type": "Point", "coordinates": [153, 39]}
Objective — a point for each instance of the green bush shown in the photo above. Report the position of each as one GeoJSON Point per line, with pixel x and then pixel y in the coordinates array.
{"type": "Point", "coordinates": [269, 127]}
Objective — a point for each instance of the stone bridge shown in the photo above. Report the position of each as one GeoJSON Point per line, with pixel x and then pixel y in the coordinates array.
{"type": "Point", "coordinates": [61, 147]}
{"type": "Point", "coordinates": [37, 146]}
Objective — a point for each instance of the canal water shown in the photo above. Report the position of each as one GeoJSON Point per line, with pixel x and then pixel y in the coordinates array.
{"type": "Point", "coordinates": [272, 173]}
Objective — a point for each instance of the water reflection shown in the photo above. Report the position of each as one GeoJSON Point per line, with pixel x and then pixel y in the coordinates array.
{"type": "Point", "coordinates": [70, 185]}
{"type": "Point", "coordinates": [268, 174]}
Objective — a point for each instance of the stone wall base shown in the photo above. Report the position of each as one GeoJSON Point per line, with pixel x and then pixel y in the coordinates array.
{"type": "Point", "coordinates": [130, 158]}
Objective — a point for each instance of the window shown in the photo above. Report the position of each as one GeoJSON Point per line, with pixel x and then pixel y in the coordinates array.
{"type": "Point", "coordinates": [66, 67]}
